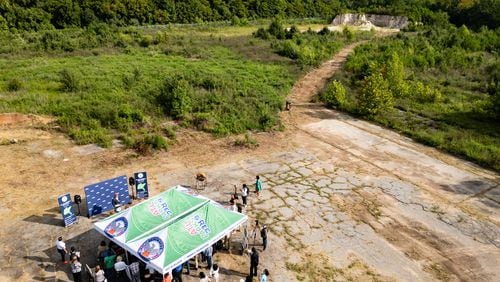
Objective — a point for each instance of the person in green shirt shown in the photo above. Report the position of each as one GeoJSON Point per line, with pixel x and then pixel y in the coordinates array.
{"type": "Point", "coordinates": [109, 266]}
{"type": "Point", "coordinates": [258, 186]}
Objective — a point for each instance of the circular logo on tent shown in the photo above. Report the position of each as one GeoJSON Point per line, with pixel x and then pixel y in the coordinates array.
{"type": "Point", "coordinates": [117, 227]}
{"type": "Point", "coordinates": [151, 248]}
{"type": "Point", "coordinates": [64, 199]}
{"type": "Point", "coordinates": [140, 175]}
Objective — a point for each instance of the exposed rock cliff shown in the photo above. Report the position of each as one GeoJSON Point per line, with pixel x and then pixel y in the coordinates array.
{"type": "Point", "coordinates": [386, 21]}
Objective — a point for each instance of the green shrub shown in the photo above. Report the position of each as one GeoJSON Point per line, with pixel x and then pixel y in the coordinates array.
{"type": "Point", "coordinates": [276, 29]}
{"type": "Point", "coordinates": [348, 33]}
{"type": "Point", "coordinates": [146, 144]}
{"type": "Point", "coordinates": [424, 93]}
{"type": "Point", "coordinates": [396, 76]}
{"type": "Point", "coordinates": [69, 81]}
{"type": "Point", "coordinates": [262, 34]}
{"type": "Point", "coordinates": [161, 37]}
{"type": "Point", "coordinates": [145, 41]}
{"type": "Point", "coordinates": [290, 33]}
{"type": "Point", "coordinates": [235, 21]}
{"type": "Point", "coordinates": [324, 31]}
{"type": "Point", "coordinates": [204, 121]}
{"type": "Point", "coordinates": [169, 131]}
{"type": "Point", "coordinates": [96, 135]}
{"type": "Point", "coordinates": [289, 49]}
{"type": "Point", "coordinates": [14, 85]}
{"type": "Point", "coordinates": [334, 96]}
{"type": "Point", "coordinates": [131, 80]}
{"type": "Point", "coordinates": [129, 113]}
{"type": "Point", "coordinates": [375, 97]}
{"type": "Point", "coordinates": [494, 100]}
{"type": "Point", "coordinates": [175, 97]}
{"type": "Point", "coordinates": [247, 141]}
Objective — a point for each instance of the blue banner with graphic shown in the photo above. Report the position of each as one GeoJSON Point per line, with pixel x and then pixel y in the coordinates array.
{"type": "Point", "coordinates": [67, 210]}
{"type": "Point", "coordinates": [99, 196]}
{"type": "Point", "coordinates": [141, 185]}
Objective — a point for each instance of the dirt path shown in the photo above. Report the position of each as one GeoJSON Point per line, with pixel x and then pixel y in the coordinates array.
{"type": "Point", "coordinates": [344, 199]}
{"type": "Point", "coordinates": [309, 85]}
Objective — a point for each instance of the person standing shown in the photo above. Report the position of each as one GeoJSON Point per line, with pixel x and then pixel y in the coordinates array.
{"type": "Point", "coordinates": [109, 264]}
{"type": "Point", "coordinates": [148, 277]}
{"type": "Point", "coordinates": [121, 269]}
{"type": "Point", "coordinates": [134, 272]}
{"type": "Point", "coordinates": [74, 252]}
{"type": "Point", "coordinates": [203, 277]}
{"type": "Point", "coordinates": [116, 202]}
{"type": "Point", "coordinates": [254, 262]}
{"type": "Point", "coordinates": [233, 206]}
{"type": "Point", "coordinates": [167, 277]}
{"type": "Point", "coordinates": [76, 269]}
{"type": "Point", "coordinates": [61, 249]}
{"type": "Point", "coordinates": [256, 229]}
{"type": "Point", "coordinates": [263, 235]}
{"type": "Point", "coordinates": [177, 273]}
{"type": "Point", "coordinates": [208, 255]}
{"type": "Point", "coordinates": [244, 194]}
{"type": "Point", "coordinates": [99, 274]}
{"type": "Point", "coordinates": [263, 276]}
{"type": "Point", "coordinates": [258, 185]}
{"type": "Point", "coordinates": [100, 250]}
{"type": "Point", "coordinates": [214, 273]}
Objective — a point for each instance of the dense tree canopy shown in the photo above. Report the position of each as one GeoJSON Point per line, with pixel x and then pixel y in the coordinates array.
{"type": "Point", "coordinates": [38, 15]}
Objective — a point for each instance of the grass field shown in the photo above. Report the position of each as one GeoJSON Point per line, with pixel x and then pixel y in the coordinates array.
{"type": "Point", "coordinates": [104, 83]}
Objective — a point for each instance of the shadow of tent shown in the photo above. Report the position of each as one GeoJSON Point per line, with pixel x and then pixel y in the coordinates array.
{"type": "Point", "coordinates": [51, 264]}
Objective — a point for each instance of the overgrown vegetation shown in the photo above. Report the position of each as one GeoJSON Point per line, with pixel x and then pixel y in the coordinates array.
{"type": "Point", "coordinates": [439, 86]}
{"type": "Point", "coordinates": [49, 14]}
{"type": "Point", "coordinates": [247, 141]}
{"type": "Point", "coordinates": [118, 83]}
{"type": "Point", "coordinates": [309, 48]}
{"type": "Point", "coordinates": [85, 63]}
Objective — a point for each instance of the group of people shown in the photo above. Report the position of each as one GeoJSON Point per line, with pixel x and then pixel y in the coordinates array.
{"type": "Point", "coordinates": [111, 266]}
{"type": "Point", "coordinates": [257, 229]}
{"type": "Point", "coordinates": [74, 256]}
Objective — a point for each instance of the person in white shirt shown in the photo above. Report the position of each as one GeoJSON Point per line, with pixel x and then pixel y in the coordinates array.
{"type": "Point", "coordinates": [74, 252]}
{"type": "Point", "coordinates": [121, 269]}
{"type": "Point", "coordinates": [233, 205]}
{"type": "Point", "coordinates": [99, 274]}
{"type": "Point", "coordinates": [76, 269]}
{"type": "Point", "coordinates": [61, 249]}
{"type": "Point", "coordinates": [214, 272]}
{"type": "Point", "coordinates": [203, 277]}
{"type": "Point", "coordinates": [244, 194]}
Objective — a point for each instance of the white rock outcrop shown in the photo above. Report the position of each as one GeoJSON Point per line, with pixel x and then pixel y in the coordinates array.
{"type": "Point", "coordinates": [386, 21]}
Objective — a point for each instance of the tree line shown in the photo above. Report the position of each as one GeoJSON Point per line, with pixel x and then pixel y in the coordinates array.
{"type": "Point", "coordinates": [33, 15]}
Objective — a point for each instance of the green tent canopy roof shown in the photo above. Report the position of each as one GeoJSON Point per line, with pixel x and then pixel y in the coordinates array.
{"type": "Point", "coordinates": [168, 229]}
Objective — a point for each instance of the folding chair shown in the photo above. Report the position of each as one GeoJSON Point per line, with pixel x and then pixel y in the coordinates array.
{"type": "Point", "coordinates": [90, 273]}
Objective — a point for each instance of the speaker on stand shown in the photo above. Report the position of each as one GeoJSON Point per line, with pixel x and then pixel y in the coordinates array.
{"type": "Point", "coordinates": [131, 182]}
{"type": "Point", "coordinates": [78, 201]}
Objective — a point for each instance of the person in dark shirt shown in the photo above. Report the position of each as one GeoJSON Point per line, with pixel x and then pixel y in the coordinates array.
{"type": "Point", "coordinates": [254, 262]}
